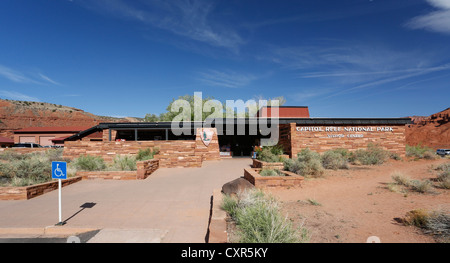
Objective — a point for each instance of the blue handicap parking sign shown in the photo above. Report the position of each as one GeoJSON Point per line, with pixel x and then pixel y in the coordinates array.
{"type": "Point", "coordinates": [59, 170]}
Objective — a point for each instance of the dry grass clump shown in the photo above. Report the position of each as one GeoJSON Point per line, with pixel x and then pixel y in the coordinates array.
{"type": "Point", "coordinates": [435, 223]}
{"type": "Point", "coordinates": [27, 169]}
{"type": "Point", "coordinates": [308, 164]}
{"type": "Point", "coordinates": [420, 186]}
{"type": "Point", "coordinates": [420, 152]}
{"type": "Point", "coordinates": [259, 220]}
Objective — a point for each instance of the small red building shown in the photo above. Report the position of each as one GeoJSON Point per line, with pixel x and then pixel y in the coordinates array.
{"type": "Point", "coordinates": [46, 136]}
{"type": "Point", "coordinates": [6, 142]}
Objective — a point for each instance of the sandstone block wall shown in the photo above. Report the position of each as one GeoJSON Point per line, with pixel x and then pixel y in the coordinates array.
{"type": "Point", "coordinates": [28, 192]}
{"type": "Point", "coordinates": [174, 153]}
{"type": "Point", "coordinates": [264, 182]}
{"type": "Point", "coordinates": [321, 141]}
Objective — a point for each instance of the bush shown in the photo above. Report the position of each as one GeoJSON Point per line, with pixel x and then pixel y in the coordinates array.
{"type": "Point", "coordinates": [373, 155]}
{"type": "Point", "coordinates": [259, 220]}
{"type": "Point", "coordinates": [27, 169]}
{"type": "Point", "coordinates": [32, 170]}
{"type": "Point", "coordinates": [307, 163]}
{"type": "Point", "coordinates": [335, 159]}
{"type": "Point", "coordinates": [444, 176]}
{"type": "Point", "coordinates": [424, 186]}
{"type": "Point", "coordinates": [401, 179]}
{"type": "Point", "coordinates": [310, 163]}
{"type": "Point", "coordinates": [266, 155]}
{"type": "Point", "coordinates": [146, 154]}
{"type": "Point", "coordinates": [420, 152]}
{"type": "Point", "coordinates": [434, 223]}
{"type": "Point", "coordinates": [271, 172]}
{"type": "Point", "coordinates": [124, 163]}
{"type": "Point", "coordinates": [89, 163]}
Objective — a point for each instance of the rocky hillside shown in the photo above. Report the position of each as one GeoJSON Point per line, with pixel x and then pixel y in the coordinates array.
{"type": "Point", "coordinates": [432, 131]}
{"type": "Point", "coordinates": [16, 115]}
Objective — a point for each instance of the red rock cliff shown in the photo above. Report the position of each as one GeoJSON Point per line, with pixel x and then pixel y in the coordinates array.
{"type": "Point", "coordinates": [432, 131]}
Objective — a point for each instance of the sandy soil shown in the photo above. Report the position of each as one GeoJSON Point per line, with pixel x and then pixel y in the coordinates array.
{"type": "Point", "coordinates": [355, 204]}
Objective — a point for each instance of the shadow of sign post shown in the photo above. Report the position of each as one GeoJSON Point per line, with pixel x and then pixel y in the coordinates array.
{"type": "Point", "coordinates": [83, 206]}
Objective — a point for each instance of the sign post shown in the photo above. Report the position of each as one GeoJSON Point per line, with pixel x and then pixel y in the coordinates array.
{"type": "Point", "coordinates": [59, 171]}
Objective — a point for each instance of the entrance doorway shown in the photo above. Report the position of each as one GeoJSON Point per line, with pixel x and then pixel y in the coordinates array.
{"type": "Point", "coordinates": [238, 145]}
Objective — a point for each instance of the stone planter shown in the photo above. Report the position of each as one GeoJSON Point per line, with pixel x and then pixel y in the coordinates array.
{"type": "Point", "coordinates": [262, 182]}
{"type": "Point", "coordinates": [28, 192]}
{"type": "Point", "coordinates": [267, 165]}
{"type": "Point", "coordinates": [144, 169]}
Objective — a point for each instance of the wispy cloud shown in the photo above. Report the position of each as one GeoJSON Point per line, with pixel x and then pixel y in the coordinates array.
{"type": "Point", "coordinates": [226, 79]}
{"type": "Point", "coordinates": [13, 95]}
{"type": "Point", "coordinates": [14, 75]}
{"type": "Point", "coordinates": [21, 77]}
{"type": "Point", "coordinates": [437, 20]}
{"type": "Point", "coordinates": [44, 77]}
{"type": "Point", "coordinates": [189, 19]}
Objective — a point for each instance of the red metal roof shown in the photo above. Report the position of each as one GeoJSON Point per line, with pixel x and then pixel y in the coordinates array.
{"type": "Point", "coordinates": [284, 112]}
{"type": "Point", "coordinates": [53, 129]}
{"type": "Point", "coordinates": [5, 140]}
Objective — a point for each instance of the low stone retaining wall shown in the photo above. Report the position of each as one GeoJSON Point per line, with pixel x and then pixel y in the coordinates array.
{"type": "Point", "coordinates": [24, 150]}
{"type": "Point", "coordinates": [217, 230]}
{"type": "Point", "coordinates": [267, 165]}
{"type": "Point", "coordinates": [28, 192]}
{"type": "Point", "coordinates": [144, 169]}
{"type": "Point", "coordinates": [290, 180]}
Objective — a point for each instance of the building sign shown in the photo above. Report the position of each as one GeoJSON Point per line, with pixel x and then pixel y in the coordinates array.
{"type": "Point", "coordinates": [207, 135]}
{"type": "Point", "coordinates": [345, 131]}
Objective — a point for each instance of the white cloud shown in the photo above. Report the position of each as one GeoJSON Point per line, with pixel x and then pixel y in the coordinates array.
{"type": "Point", "coordinates": [13, 95]}
{"type": "Point", "coordinates": [437, 21]}
{"type": "Point", "coordinates": [48, 79]}
{"type": "Point", "coordinates": [20, 77]}
{"type": "Point", "coordinates": [445, 4]}
{"type": "Point", "coordinates": [227, 79]}
{"type": "Point", "coordinates": [190, 19]}
{"type": "Point", "coordinates": [13, 75]}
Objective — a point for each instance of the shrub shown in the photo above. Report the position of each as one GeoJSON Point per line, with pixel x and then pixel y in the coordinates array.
{"type": "Point", "coordinates": [435, 223]}
{"type": "Point", "coordinates": [28, 171]}
{"type": "Point", "coordinates": [230, 205]}
{"type": "Point", "coordinates": [266, 155]}
{"type": "Point", "coordinates": [146, 154]}
{"type": "Point", "coordinates": [307, 163]}
{"type": "Point", "coordinates": [444, 179]}
{"type": "Point", "coordinates": [89, 163]}
{"type": "Point", "coordinates": [335, 159]}
{"type": "Point", "coordinates": [124, 163]}
{"type": "Point", "coordinates": [424, 186]}
{"type": "Point", "coordinates": [420, 152]}
{"type": "Point", "coordinates": [310, 163]}
{"type": "Point", "coordinates": [271, 172]}
{"type": "Point", "coordinates": [270, 154]}
{"type": "Point", "coordinates": [11, 155]}
{"type": "Point", "coordinates": [373, 155]}
{"type": "Point", "coordinates": [416, 218]}
{"type": "Point", "coordinates": [259, 220]}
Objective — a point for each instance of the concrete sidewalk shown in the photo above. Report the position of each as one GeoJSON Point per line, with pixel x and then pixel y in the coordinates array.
{"type": "Point", "coordinates": [173, 204]}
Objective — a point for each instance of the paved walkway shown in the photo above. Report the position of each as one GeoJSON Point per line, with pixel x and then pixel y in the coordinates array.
{"type": "Point", "coordinates": [173, 204]}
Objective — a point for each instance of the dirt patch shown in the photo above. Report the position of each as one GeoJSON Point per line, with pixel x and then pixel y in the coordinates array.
{"type": "Point", "coordinates": [351, 205]}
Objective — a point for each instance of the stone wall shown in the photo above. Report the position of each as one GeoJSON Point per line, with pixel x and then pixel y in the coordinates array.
{"type": "Point", "coordinates": [264, 182]}
{"type": "Point", "coordinates": [267, 165]}
{"type": "Point", "coordinates": [28, 192]}
{"type": "Point", "coordinates": [175, 153]}
{"type": "Point", "coordinates": [144, 169]}
{"type": "Point", "coordinates": [324, 138]}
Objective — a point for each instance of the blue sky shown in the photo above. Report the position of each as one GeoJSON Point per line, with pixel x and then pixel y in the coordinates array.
{"type": "Point", "coordinates": [346, 58]}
